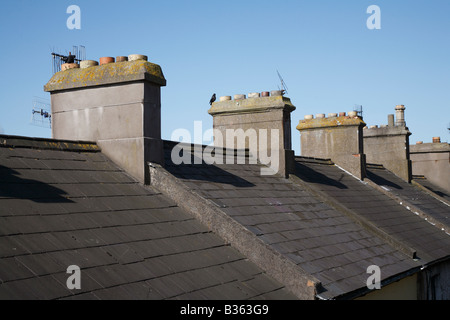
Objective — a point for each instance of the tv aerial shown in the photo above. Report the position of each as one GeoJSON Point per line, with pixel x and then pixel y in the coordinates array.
{"type": "Point", "coordinates": [359, 110]}
{"type": "Point", "coordinates": [77, 54]}
{"type": "Point", "coordinates": [283, 88]}
{"type": "Point", "coordinates": [40, 114]}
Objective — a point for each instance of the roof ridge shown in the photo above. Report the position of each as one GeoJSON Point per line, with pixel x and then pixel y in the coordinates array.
{"type": "Point", "coordinates": [11, 141]}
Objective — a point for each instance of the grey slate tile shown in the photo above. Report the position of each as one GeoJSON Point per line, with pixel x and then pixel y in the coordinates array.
{"type": "Point", "coordinates": [10, 248]}
{"type": "Point", "coordinates": [82, 296]}
{"type": "Point", "coordinates": [122, 253]}
{"type": "Point", "coordinates": [261, 283]}
{"type": "Point", "coordinates": [40, 264]}
{"type": "Point", "coordinates": [106, 276]}
{"type": "Point", "coordinates": [167, 286]}
{"type": "Point", "coordinates": [13, 269]}
{"type": "Point", "coordinates": [36, 243]}
{"type": "Point", "coordinates": [42, 288]}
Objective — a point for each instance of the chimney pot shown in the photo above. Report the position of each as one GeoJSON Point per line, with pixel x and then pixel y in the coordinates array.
{"type": "Point", "coordinates": [275, 93]}
{"type": "Point", "coordinates": [121, 59]}
{"type": "Point", "coordinates": [436, 139]}
{"type": "Point", "coordinates": [400, 115]}
{"type": "Point", "coordinates": [342, 114]}
{"type": "Point", "coordinates": [225, 98]}
{"type": "Point", "coordinates": [309, 117]}
{"type": "Point", "coordinates": [390, 120]}
{"type": "Point", "coordinates": [239, 96]}
{"type": "Point", "coordinates": [320, 115]}
{"type": "Point", "coordinates": [419, 142]}
{"type": "Point", "coordinates": [253, 95]}
{"type": "Point", "coordinates": [134, 57]}
{"type": "Point", "coordinates": [265, 94]}
{"type": "Point", "coordinates": [332, 115]}
{"type": "Point", "coordinates": [67, 66]}
{"type": "Point", "coordinates": [373, 127]}
{"type": "Point", "coordinates": [352, 114]}
{"type": "Point", "coordinates": [88, 63]}
{"type": "Point", "coordinates": [106, 60]}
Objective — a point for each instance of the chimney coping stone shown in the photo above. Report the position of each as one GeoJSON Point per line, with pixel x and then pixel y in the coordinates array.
{"type": "Point", "coordinates": [251, 105]}
{"type": "Point", "coordinates": [329, 122]}
{"type": "Point", "coordinates": [112, 73]}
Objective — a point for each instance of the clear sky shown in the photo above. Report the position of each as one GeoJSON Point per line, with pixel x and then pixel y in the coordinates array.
{"type": "Point", "coordinates": [323, 49]}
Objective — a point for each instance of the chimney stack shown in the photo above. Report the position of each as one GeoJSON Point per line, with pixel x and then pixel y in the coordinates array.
{"type": "Point", "coordinates": [263, 117]}
{"type": "Point", "coordinates": [337, 138]}
{"type": "Point", "coordinates": [117, 105]}
{"type": "Point", "coordinates": [389, 145]}
{"type": "Point", "coordinates": [433, 161]}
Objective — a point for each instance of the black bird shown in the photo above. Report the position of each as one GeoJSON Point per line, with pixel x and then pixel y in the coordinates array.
{"type": "Point", "coordinates": [69, 59]}
{"type": "Point", "coordinates": [213, 98]}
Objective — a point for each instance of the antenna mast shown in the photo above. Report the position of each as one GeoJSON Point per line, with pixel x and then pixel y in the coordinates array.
{"type": "Point", "coordinates": [283, 88]}
{"type": "Point", "coordinates": [359, 110]}
{"type": "Point", "coordinates": [77, 54]}
{"type": "Point", "coordinates": [40, 113]}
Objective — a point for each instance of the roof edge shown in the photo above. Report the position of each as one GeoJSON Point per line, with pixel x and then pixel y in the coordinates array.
{"type": "Point", "coordinates": [11, 141]}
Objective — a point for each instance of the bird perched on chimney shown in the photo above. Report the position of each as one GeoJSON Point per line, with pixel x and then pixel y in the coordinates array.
{"type": "Point", "coordinates": [213, 98]}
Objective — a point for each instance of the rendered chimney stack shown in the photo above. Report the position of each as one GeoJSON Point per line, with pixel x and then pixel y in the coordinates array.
{"type": "Point", "coordinates": [337, 138]}
{"type": "Point", "coordinates": [432, 160]}
{"type": "Point", "coordinates": [400, 116]}
{"type": "Point", "coordinates": [258, 112]}
{"type": "Point", "coordinates": [389, 145]}
{"type": "Point", "coordinates": [117, 105]}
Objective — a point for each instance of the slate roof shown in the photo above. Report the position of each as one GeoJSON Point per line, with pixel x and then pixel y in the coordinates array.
{"type": "Point", "coordinates": [430, 243]}
{"type": "Point", "coordinates": [436, 190]}
{"type": "Point", "coordinates": [435, 209]}
{"type": "Point", "coordinates": [65, 203]}
{"type": "Point", "coordinates": [321, 240]}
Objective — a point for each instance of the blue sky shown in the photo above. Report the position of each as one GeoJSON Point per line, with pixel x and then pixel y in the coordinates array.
{"type": "Point", "coordinates": [327, 56]}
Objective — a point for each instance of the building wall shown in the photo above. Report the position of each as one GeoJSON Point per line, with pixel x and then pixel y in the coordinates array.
{"type": "Point", "coordinates": [404, 289]}
{"type": "Point", "coordinates": [433, 282]}
{"type": "Point", "coordinates": [432, 160]}
{"type": "Point", "coordinates": [429, 284]}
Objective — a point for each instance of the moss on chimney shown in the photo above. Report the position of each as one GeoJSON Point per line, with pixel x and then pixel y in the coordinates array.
{"type": "Point", "coordinates": [111, 73]}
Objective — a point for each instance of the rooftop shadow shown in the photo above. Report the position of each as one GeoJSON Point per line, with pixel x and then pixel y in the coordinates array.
{"type": "Point", "coordinates": [13, 186]}
{"type": "Point", "coordinates": [310, 175]}
{"type": "Point", "coordinates": [379, 180]}
{"type": "Point", "coordinates": [197, 169]}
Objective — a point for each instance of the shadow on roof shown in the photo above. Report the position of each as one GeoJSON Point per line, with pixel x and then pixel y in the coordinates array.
{"type": "Point", "coordinates": [15, 187]}
{"type": "Point", "coordinates": [196, 169]}
{"type": "Point", "coordinates": [379, 180]}
{"type": "Point", "coordinates": [310, 175]}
